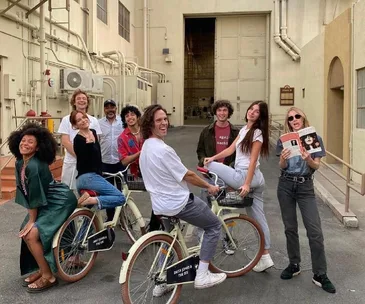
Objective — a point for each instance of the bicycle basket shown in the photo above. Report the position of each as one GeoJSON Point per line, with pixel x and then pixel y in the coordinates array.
{"type": "Point", "coordinates": [233, 199]}
{"type": "Point", "coordinates": [135, 183]}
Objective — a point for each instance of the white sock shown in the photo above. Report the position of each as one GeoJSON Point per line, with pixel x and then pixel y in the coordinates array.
{"type": "Point", "coordinates": [265, 256]}
{"type": "Point", "coordinates": [202, 268]}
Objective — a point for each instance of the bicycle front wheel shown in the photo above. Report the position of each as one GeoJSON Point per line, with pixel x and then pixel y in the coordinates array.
{"type": "Point", "coordinates": [240, 247]}
{"type": "Point", "coordinates": [72, 258]}
{"type": "Point", "coordinates": [129, 220]}
{"type": "Point", "coordinates": [143, 272]}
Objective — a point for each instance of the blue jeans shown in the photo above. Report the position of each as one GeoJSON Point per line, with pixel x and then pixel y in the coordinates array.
{"type": "Point", "coordinates": [235, 179]}
{"type": "Point", "coordinates": [108, 196]}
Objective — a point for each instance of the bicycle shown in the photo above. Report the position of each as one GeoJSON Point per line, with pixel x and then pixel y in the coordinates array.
{"type": "Point", "coordinates": [161, 257]}
{"type": "Point", "coordinates": [77, 243]}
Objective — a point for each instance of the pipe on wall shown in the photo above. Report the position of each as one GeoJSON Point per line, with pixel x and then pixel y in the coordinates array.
{"type": "Point", "coordinates": [42, 44]}
{"type": "Point", "coordinates": [284, 28]}
{"type": "Point", "coordinates": [277, 37]}
{"type": "Point", "coordinates": [145, 36]}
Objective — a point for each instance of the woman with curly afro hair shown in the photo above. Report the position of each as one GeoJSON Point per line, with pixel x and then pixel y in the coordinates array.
{"type": "Point", "coordinates": [49, 204]}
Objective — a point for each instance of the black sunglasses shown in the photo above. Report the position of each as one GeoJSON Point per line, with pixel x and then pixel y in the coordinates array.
{"type": "Point", "coordinates": [297, 116]}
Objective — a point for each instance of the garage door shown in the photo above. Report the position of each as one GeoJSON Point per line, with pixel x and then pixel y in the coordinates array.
{"type": "Point", "coordinates": [240, 71]}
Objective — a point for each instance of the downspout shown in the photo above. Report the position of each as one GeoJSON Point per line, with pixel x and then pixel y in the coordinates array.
{"type": "Point", "coordinates": [277, 37]}
{"type": "Point", "coordinates": [145, 41]}
{"type": "Point", "coordinates": [284, 28]}
{"type": "Point", "coordinates": [42, 45]}
{"type": "Point", "coordinates": [123, 75]}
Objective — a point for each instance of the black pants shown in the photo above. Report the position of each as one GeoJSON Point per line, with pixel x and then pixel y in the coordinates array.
{"type": "Point", "coordinates": [112, 168]}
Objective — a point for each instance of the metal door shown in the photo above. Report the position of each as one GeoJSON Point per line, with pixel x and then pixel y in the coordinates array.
{"type": "Point", "coordinates": [240, 61]}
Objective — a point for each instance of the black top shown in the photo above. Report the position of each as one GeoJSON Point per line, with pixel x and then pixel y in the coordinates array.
{"type": "Point", "coordinates": [88, 155]}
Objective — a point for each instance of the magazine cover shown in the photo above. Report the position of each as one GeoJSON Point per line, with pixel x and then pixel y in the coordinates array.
{"type": "Point", "coordinates": [309, 140]}
{"type": "Point", "coordinates": [292, 142]}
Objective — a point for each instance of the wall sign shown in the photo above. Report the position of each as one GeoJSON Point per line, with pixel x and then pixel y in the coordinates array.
{"type": "Point", "coordinates": [286, 96]}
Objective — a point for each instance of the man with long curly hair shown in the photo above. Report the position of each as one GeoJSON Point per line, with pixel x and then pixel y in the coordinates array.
{"type": "Point", "coordinates": [49, 204]}
{"type": "Point", "coordinates": [166, 180]}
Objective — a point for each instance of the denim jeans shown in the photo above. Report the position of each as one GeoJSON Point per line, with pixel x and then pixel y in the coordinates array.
{"type": "Point", "coordinates": [112, 168]}
{"type": "Point", "coordinates": [290, 194]}
{"type": "Point", "coordinates": [108, 196]}
{"type": "Point", "coordinates": [197, 213]}
{"type": "Point", "coordinates": [235, 178]}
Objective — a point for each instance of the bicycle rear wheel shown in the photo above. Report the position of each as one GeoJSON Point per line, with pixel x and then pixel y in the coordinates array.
{"type": "Point", "coordinates": [129, 220]}
{"type": "Point", "coordinates": [72, 258]}
{"type": "Point", "coordinates": [144, 269]}
{"type": "Point", "coordinates": [246, 251]}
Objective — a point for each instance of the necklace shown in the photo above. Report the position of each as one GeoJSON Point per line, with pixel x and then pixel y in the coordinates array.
{"type": "Point", "coordinates": [136, 132]}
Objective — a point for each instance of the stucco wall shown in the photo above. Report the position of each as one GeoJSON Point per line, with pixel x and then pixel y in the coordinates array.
{"type": "Point", "coordinates": [337, 44]}
{"type": "Point", "coordinates": [358, 140]}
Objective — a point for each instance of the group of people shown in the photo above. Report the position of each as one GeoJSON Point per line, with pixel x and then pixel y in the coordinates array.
{"type": "Point", "coordinates": [138, 140]}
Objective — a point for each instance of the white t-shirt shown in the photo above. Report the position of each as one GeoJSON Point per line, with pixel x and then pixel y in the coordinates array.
{"type": "Point", "coordinates": [66, 128]}
{"type": "Point", "coordinates": [243, 159]}
{"type": "Point", "coordinates": [163, 173]}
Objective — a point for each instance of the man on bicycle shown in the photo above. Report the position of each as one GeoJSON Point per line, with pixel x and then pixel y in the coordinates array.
{"type": "Point", "coordinates": [166, 179]}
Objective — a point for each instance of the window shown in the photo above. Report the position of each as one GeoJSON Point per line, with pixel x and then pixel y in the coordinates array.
{"type": "Point", "coordinates": [361, 98]}
{"type": "Point", "coordinates": [102, 10]}
{"type": "Point", "coordinates": [123, 20]}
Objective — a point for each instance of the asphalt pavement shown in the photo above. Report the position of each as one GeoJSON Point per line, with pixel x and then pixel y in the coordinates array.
{"type": "Point", "coordinates": [344, 251]}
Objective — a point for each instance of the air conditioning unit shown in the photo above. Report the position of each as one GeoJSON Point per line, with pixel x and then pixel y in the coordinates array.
{"type": "Point", "coordinates": [71, 80]}
{"type": "Point", "coordinates": [97, 83]}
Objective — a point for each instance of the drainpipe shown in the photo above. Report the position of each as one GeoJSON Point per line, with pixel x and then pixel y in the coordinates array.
{"type": "Point", "coordinates": [145, 46]}
{"type": "Point", "coordinates": [42, 45]}
{"type": "Point", "coordinates": [277, 37]}
{"type": "Point", "coordinates": [284, 28]}
{"type": "Point", "coordinates": [123, 75]}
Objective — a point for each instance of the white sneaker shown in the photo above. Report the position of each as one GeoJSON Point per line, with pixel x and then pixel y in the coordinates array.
{"type": "Point", "coordinates": [265, 263]}
{"type": "Point", "coordinates": [227, 249]}
{"type": "Point", "coordinates": [161, 289]}
{"type": "Point", "coordinates": [208, 279]}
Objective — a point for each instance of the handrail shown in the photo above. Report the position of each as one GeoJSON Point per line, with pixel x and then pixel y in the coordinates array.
{"type": "Point", "coordinates": [279, 127]}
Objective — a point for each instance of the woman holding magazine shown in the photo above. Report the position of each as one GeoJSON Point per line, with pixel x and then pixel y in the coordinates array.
{"type": "Point", "coordinates": [296, 188]}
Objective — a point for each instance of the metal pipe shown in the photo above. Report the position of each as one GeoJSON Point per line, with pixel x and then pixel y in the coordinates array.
{"type": "Point", "coordinates": [145, 36]}
{"type": "Point", "coordinates": [42, 45]}
{"type": "Point", "coordinates": [284, 28]}
{"type": "Point", "coordinates": [277, 37]}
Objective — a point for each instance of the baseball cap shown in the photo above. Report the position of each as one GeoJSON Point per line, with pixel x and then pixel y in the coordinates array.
{"type": "Point", "coordinates": [109, 102]}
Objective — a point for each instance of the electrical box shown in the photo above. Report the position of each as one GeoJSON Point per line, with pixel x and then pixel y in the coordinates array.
{"type": "Point", "coordinates": [10, 86]}
{"type": "Point", "coordinates": [164, 96]}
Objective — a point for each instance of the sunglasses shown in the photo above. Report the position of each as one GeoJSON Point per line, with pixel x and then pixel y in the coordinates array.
{"type": "Point", "coordinates": [296, 116]}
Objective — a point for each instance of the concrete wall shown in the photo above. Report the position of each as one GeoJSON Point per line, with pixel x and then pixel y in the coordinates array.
{"type": "Point", "coordinates": [358, 135]}
{"type": "Point", "coordinates": [305, 22]}
{"type": "Point", "coordinates": [337, 114]}
{"type": "Point", "coordinates": [20, 49]}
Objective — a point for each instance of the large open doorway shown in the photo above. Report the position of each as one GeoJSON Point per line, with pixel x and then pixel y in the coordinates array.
{"type": "Point", "coordinates": [199, 70]}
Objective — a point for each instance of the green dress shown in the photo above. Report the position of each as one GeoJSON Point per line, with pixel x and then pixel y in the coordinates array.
{"type": "Point", "coordinates": [55, 203]}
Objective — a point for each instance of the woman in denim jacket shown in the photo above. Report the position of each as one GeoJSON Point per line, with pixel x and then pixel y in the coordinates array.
{"type": "Point", "coordinates": [296, 187]}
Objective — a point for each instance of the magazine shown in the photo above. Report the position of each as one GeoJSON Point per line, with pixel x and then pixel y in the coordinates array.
{"type": "Point", "coordinates": [303, 139]}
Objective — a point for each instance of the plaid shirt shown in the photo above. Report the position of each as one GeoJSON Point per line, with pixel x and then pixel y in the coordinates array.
{"type": "Point", "coordinates": [128, 145]}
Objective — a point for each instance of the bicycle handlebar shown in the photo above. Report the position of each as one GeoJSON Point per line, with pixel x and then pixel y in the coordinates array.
{"type": "Point", "coordinates": [207, 172]}
{"type": "Point", "coordinates": [119, 173]}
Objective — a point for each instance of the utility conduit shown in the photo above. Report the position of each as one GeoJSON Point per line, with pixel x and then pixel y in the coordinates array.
{"type": "Point", "coordinates": [277, 35]}
{"type": "Point", "coordinates": [284, 27]}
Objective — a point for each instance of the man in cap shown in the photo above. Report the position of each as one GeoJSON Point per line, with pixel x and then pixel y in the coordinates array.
{"type": "Point", "coordinates": [111, 127]}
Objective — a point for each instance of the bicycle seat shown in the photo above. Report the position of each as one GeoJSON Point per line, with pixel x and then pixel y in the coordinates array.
{"type": "Point", "coordinates": [92, 193]}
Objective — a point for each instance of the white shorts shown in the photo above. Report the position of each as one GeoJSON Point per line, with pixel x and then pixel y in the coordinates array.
{"type": "Point", "coordinates": [69, 173]}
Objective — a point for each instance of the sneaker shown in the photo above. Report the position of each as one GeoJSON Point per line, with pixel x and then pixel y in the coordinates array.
{"type": "Point", "coordinates": [161, 289]}
{"type": "Point", "coordinates": [265, 263]}
{"type": "Point", "coordinates": [227, 249]}
{"type": "Point", "coordinates": [291, 271]}
{"type": "Point", "coordinates": [208, 279]}
{"type": "Point", "coordinates": [324, 282]}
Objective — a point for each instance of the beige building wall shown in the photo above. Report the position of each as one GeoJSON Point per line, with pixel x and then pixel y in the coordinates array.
{"type": "Point", "coordinates": [20, 54]}
{"type": "Point", "coordinates": [305, 20]}
{"type": "Point", "coordinates": [337, 93]}
{"type": "Point", "coordinates": [358, 135]}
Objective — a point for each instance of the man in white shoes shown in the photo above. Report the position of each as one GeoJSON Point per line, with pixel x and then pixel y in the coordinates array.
{"type": "Point", "coordinates": [166, 179]}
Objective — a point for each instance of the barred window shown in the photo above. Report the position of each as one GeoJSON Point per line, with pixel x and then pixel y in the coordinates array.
{"type": "Point", "coordinates": [361, 98]}
{"type": "Point", "coordinates": [124, 22]}
{"type": "Point", "coordinates": [102, 10]}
